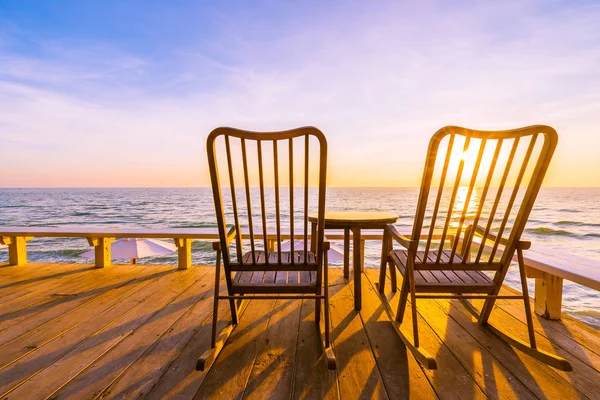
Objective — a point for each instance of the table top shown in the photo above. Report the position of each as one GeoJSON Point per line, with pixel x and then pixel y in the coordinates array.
{"type": "Point", "coordinates": [357, 217]}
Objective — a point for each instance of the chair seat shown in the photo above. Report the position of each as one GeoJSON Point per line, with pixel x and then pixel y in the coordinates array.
{"type": "Point", "coordinates": [437, 280]}
{"type": "Point", "coordinates": [286, 257]}
{"type": "Point", "coordinates": [274, 280]}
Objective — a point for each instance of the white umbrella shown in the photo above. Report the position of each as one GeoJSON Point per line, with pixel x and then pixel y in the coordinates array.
{"type": "Point", "coordinates": [134, 248]}
{"type": "Point", "coordinates": [334, 254]}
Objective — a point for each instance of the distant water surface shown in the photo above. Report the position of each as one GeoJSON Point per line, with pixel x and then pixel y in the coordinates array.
{"type": "Point", "coordinates": [563, 219]}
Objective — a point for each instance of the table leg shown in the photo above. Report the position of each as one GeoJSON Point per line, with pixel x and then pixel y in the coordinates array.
{"type": "Point", "coordinates": [346, 253]}
{"type": "Point", "coordinates": [362, 255]}
{"type": "Point", "coordinates": [356, 265]}
{"type": "Point", "coordinates": [313, 237]}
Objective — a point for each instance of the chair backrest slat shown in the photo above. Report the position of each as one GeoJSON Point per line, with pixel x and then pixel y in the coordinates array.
{"type": "Point", "coordinates": [277, 208]}
{"type": "Point", "coordinates": [238, 237]}
{"type": "Point", "coordinates": [306, 156]}
{"type": "Point", "coordinates": [291, 183]}
{"type": "Point", "coordinates": [263, 210]}
{"type": "Point", "coordinates": [248, 200]}
{"type": "Point", "coordinates": [496, 176]}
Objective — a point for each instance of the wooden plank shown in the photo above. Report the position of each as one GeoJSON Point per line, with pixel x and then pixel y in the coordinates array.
{"type": "Point", "coordinates": [38, 287]}
{"type": "Point", "coordinates": [257, 277]}
{"type": "Point", "coordinates": [238, 355]}
{"type": "Point", "coordinates": [401, 373]}
{"type": "Point", "coordinates": [540, 379]}
{"type": "Point", "coordinates": [30, 280]}
{"type": "Point", "coordinates": [11, 274]}
{"type": "Point", "coordinates": [180, 379]}
{"type": "Point", "coordinates": [272, 375]}
{"type": "Point", "coordinates": [92, 232]}
{"type": "Point", "coordinates": [450, 379]}
{"type": "Point", "coordinates": [292, 277]}
{"type": "Point", "coordinates": [27, 339]}
{"type": "Point", "coordinates": [586, 380]}
{"type": "Point", "coordinates": [359, 376]}
{"type": "Point", "coordinates": [56, 301]}
{"type": "Point", "coordinates": [578, 339]}
{"type": "Point", "coordinates": [493, 377]}
{"type": "Point", "coordinates": [313, 380]}
{"type": "Point", "coordinates": [94, 379]}
{"type": "Point", "coordinates": [48, 368]}
{"type": "Point", "coordinates": [53, 299]}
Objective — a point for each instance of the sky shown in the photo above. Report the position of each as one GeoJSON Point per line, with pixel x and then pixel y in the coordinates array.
{"type": "Point", "coordinates": [124, 93]}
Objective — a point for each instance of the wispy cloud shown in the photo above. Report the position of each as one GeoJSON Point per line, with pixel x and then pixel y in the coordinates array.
{"type": "Point", "coordinates": [379, 80]}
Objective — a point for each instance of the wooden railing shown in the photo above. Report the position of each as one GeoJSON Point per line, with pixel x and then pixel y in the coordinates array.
{"type": "Point", "coordinates": [100, 238]}
{"type": "Point", "coordinates": [549, 268]}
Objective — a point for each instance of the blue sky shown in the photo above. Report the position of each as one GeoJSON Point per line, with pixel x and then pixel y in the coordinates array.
{"type": "Point", "coordinates": [124, 93]}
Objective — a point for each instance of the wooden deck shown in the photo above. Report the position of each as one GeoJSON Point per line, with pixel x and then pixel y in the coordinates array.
{"type": "Point", "coordinates": [135, 331]}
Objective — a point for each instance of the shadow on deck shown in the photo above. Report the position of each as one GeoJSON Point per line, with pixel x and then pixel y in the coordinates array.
{"type": "Point", "coordinates": [134, 331]}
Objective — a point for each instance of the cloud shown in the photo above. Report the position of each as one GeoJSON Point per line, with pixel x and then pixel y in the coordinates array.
{"type": "Point", "coordinates": [377, 80]}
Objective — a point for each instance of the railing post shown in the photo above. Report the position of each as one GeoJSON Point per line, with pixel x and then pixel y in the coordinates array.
{"type": "Point", "coordinates": [102, 253]}
{"type": "Point", "coordinates": [17, 249]}
{"type": "Point", "coordinates": [184, 252]}
{"type": "Point", "coordinates": [548, 296]}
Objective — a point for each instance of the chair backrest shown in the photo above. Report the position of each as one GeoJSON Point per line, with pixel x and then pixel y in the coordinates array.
{"type": "Point", "coordinates": [259, 193]}
{"type": "Point", "coordinates": [485, 179]}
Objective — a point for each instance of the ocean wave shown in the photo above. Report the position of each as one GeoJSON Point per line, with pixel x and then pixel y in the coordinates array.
{"type": "Point", "coordinates": [82, 214]}
{"type": "Point", "coordinates": [569, 210]}
{"type": "Point", "coordinates": [576, 223]}
{"type": "Point", "coordinates": [201, 225]}
{"type": "Point", "coordinates": [592, 235]}
{"type": "Point", "coordinates": [543, 231]}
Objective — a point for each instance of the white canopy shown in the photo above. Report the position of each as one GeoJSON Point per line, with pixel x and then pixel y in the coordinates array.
{"type": "Point", "coordinates": [136, 248]}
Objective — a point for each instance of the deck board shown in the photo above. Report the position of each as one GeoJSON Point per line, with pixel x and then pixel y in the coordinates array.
{"type": "Point", "coordinates": [135, 331]}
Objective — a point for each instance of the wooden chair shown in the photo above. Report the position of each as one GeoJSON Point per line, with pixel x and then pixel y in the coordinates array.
{"type": "Point", "coordinates": [476, 195]}
{"type": "Point", "coordinates": [257, 268]}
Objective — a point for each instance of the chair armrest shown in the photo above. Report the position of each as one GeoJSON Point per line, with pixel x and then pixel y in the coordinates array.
{"type": "Point", "coordinates": [400, 238]}
{"type": "Point", "coordinates": [522, 244]}
{"type": "Point", "coordinates": [326, 244]}
{"type": "Point", "coordinates": [231, 234]}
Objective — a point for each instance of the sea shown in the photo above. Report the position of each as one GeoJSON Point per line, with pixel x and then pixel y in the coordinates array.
{"type": "Point", "coordinates": [563, 219]}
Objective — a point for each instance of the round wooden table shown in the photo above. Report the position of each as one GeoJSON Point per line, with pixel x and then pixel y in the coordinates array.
{"type": "Point", "coordinates": [354, 221]}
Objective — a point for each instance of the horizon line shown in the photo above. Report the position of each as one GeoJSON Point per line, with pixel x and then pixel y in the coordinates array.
{"type": "Point", "coordinates": [209, 187]}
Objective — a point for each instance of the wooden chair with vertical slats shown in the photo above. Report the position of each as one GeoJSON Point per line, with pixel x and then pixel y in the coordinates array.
{"type": "Point", "coordinates": [468, 228]}
{"type": "Point", "coordinates": [257, 268]}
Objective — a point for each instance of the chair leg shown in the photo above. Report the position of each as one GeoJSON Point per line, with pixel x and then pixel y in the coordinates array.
{"type": "Point", "coordinates": [213, 340]}
{"type": "Point", "coordinates": [217, 343]}
{"type": "Point", "coordinates": [403, 298]}
{"type": "Point", "coordinates": [234, 311]}
{"type": "Point", "coordinates": [413, 301]}
{"type": "Point", "coordinates": [393, 275]}
{"type": "Point", "coordinates": [325, 332]}
{"type": "Point", "coordinates": [419, 353]}
{"type": "Point", "coordinates": [317, 311]}
{"type": "Point", "coordinates": [384, 258]}
{"type": "Point", "coordinates": [525, 291]}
